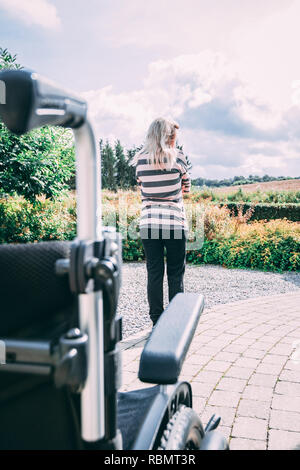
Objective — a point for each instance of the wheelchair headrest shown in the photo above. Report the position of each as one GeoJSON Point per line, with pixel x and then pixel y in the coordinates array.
{"type": "Point", "coordinates": [30, 290]}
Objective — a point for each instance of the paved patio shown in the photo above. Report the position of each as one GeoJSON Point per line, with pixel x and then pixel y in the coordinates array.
{"type": "Point", "coordinates": [243, 364]}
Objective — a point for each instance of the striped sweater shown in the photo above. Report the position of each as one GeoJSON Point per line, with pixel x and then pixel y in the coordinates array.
{"type": "Point", "coordinates": [161, 192]}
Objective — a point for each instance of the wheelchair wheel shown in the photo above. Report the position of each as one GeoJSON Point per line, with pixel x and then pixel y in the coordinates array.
{"type": "Point", "coordinates": [184, 431]}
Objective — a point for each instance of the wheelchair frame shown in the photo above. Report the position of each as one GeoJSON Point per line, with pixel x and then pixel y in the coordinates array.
{"type": "Point", "coordinates": [86, 359]}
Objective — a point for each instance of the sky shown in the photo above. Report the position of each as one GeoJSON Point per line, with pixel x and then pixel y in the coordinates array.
{"type": "Point", "coordinates": [227, 71]}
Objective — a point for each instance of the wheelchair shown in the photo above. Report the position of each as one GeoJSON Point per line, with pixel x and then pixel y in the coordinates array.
{"type": "Point", "coordinates": [59, 384]}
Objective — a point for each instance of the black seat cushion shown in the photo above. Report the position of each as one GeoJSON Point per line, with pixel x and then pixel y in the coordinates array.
{"type": "Point", "coordinates": [132, 409]}
{"type": "Point", "coordinates": [29, 288]}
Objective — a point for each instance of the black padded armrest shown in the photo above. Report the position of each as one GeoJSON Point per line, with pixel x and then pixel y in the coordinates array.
{"type": "Point", "coordinates": [164, 353]}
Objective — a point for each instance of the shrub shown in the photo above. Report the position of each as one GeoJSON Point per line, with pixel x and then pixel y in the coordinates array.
{"type": "Point", "coordinates": [272, 246]}
{"type": "Point", "coordinates": [266, 211]}
{"type": "Point", "coordinates": [41, 162]}
{"type": "Point", "coordinates": [228, 241]}
{"type": "Point", "coordinates": [22, 221]}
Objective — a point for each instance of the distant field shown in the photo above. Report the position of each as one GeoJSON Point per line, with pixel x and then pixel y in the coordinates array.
{"type": "Point", "coordinates": [284, 185]}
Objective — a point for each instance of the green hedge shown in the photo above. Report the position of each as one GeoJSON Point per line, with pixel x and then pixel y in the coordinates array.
{"type": "Point", "coordinates": [272, 246]}
{"type": "Point", "coordinates": [267, 211]}
{"type": "Point", "coordinates": [22, 221]}
{"type": "Point", "coordinates": [283, 255]}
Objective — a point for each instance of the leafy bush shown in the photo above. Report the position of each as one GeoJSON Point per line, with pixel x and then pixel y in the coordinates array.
{"type": "Point", "coordinates": [267, 211]}
{"type": "Point", "coordinates": [22, 221]}
{"type": "Point", "coordinates": [229, 241]}
{"type": "Point", "coordinates": [272, 246]}
{"type": "Point", "coordinates": [39, 163]}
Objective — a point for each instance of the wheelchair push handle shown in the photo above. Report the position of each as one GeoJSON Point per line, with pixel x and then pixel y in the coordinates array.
{"type": "Point", "coordinates": [29, 100]}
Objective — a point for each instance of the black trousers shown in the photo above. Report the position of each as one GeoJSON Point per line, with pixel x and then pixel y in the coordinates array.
{"type": "Point", "coordinates": [154, 248]}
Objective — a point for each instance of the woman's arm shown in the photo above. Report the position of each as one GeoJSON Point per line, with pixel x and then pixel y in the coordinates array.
{"type": "Point", "coordinates": [186, 183]}
{"type": "Point", "coordinates": [185, 176]}
{"type": "Point", "coordinates": [139, 182]}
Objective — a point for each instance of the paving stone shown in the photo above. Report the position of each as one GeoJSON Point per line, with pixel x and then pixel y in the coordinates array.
{"type": "Point", "coordinates": [282, 330]}
{"type": "Point", "coordinates": [227, 356]}
{"type": "Point", "coordinates": [218, 344]}
{"type": "Point", "coordinates": [132, 366]}
{"type": "Point", "coordinates": [290, 339]}
{"type": "Point", "coordinates": [247, 362]}
{"type": "Point", "coordinates": [281, 350]}
{"type": "Point", "coordinates": [211, 333]}
{"type": "Point", "coordinates": [202, 339]}
{"type": "Point", "coordinates": [283, 440]}
{"type": "Point", "coordinates": [259, 393]}
{"type": "Point", "coordinates": [242, 329]}
{"type": "Point", "coordinates": [241, 366]}
{"type": "Point", "coordinates": [218, 366]}
{"type": "Point", "coordinates": [274, 359]}
{"type": "Point", "coordinates": [195, 358]}
{"type": "Point", "coordinates": [228, 337]}
{"type": "Point", "coordinates": [265, 380]}
{"type": "Point", "coordinates": [294, 334]}
{"type": "Point", "coordinates": [271, 339]}
{"type": "Point", "coordinates": [236, 348]}
{"type": "Point", "coordinates": [202, 389]}
{"type": "Point", "coordinates": [204, 351]}
{"type": "Point", "coordinates": [262, 329]}
{"type": "Point", "coordinates": [128, 377]}
{"type": "Point", "coordinates": [290, 376]}
{"type": "Point", "coordinates": [288, 388]}
{"type": "Point", "coordinates": [293, 365]}
{"type": "Point", "coordinates": [237, 443]}
{"type": "Point", "coordinates": [227, 414]}
{"type": "Point", "coordinates": [190, 369]}
{"type": "Point", "coordinates": [264, 368]}
{"type": "Point", "coordinates": [253, 408]}
{"type": "Point", "coordinates": [284, 403]}
{"type": "Point", "coordinates": [244, 341]}
{"type": "Point", "coordinates": [285, 420]}
{"type": "Point", "coordinates": [224, 398]}
{"type": "Point", "coordinates": [231, 384]}
{"type": "Point", "coordinates": [239, 372]}
{"type": "Point", "coordinates": [199, 405]}
{"type": "Point", "coordinates": [253, 335]}
{"type": "Point", "coordinates": [250, 428]}
{"type": "Point", "coordinates": [261, 345]}
{"type": "Point", "coordinates": [208, 376]}
{"type": "Point", "coordinates": [254, 353]}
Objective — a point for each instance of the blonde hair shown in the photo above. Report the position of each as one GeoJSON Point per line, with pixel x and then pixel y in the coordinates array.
{"type": "Point", "coordinates": [157, 147]}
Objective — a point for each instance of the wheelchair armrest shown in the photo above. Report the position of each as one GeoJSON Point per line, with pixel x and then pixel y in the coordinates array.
{"type": "Point", "coordinates": [164, 353]}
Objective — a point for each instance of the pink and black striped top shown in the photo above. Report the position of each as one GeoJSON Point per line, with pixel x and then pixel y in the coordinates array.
{"type": "Point", "coordinates": [161, 191]}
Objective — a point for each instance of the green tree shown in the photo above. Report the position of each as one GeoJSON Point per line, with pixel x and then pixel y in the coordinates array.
{"type": "Point", "coordinates": [8, 61]}
{"type": "Point", "coordinates": [41, 162]}
{"type": "Point", "coordinates": [131, 169]}
{"type": "Point", "coordinates": [38, 163]}
{"type": "Point", "coordinates": [122, 167]}
{"type": "Point", "coordinates": [108, 166]}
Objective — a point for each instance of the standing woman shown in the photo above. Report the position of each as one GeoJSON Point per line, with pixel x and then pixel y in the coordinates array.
{"type": "Point", "coordinates": [162, 175]}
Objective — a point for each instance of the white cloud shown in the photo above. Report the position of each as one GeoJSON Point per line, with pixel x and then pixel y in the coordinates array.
{"type": "Point", "coordinates": [183, 27]}
{"type": "Point", "coordinates": [199, 98]}
{"type": "Point", "coordinates": [295, 98]}
{"type": "Point", "coordinates": [39, 12]}
{"type": "Point", "coordinates": [266, 53]}
{"type": "Point", "coordinates": [225, 127]}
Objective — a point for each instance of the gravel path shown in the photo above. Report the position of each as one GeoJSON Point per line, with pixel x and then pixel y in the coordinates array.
{"type": "Point", "coordinates": [218, 285]}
